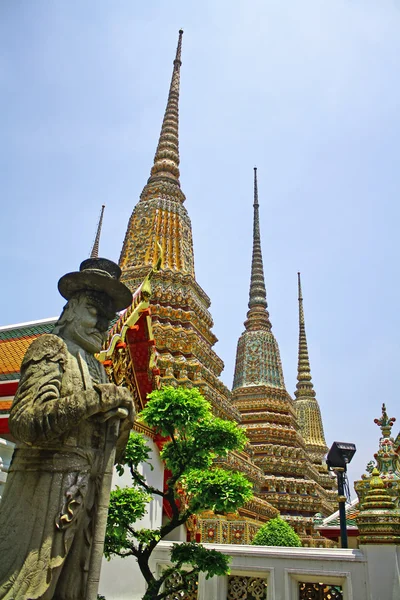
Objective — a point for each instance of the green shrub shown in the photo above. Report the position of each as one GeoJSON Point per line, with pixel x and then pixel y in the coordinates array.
{"type": "Point", "coordinates": [276, 532]}
{"type": "Point", "coordinates": [193, 438]}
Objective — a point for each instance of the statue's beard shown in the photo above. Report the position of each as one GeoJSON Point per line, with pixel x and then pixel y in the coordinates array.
{"type": "Point", "coordinates": [91, 340]}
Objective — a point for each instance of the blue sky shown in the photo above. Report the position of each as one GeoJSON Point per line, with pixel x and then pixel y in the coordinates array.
{"type": "Point", "coordinates": [307, 91]}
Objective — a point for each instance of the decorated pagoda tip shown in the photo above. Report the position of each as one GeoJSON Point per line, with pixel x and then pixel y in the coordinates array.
{"type": "Point", "coordinates": [166, 160]}
{"type": "Point", "coordinates": [385, 423]}
{"type": "Point", "coordinates": [95, 249]}
{"type": "Point", "coordinates": [304, 384]}
{"type": "Point", "coordinates": [258, 314]}
{"type": "Point", "coordinates": [255, 187]}
{"type": "Point", "coordinates": [301, 309]}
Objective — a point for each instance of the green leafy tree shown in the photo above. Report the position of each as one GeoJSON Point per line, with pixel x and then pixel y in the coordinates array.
{"type": "Point", "coordinates": [194, 438]}
{"type": "Point", "coordinates": [276, 532]}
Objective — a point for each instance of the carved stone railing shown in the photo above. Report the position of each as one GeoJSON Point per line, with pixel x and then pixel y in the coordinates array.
{"type": "Point", "coordinates": [274, 573]}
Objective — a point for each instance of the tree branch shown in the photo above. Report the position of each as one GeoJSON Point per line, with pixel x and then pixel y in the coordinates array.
{"type": "Point", "coordinates": [139, 479]}
{"type": "Point", "coordinates": [165, 529]}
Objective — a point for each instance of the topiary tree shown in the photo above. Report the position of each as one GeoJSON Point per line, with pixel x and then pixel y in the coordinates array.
{"type": "Point", "coordinates": [194, 438]}
{"type": "Point", "coordinates": [276, 532]}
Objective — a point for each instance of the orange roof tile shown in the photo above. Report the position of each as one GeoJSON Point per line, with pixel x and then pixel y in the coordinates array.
{"type": "Point", "coordinates": [12, 353]}
{"type": "Point", "coordinates": [14, 342]}
{"type": "Point", "coordinates": [5, 404]}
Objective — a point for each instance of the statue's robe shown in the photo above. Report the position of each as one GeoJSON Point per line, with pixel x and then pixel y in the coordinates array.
{"type": "Point", "coordinates": [47, 511]}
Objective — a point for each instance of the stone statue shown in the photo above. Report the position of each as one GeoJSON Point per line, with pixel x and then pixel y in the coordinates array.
{"type": "Point", "coordinates": [59, 417]}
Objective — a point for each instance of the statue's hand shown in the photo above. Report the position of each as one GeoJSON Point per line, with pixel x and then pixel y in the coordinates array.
{"type": "Point", "coordinates": [114, 413]}
{"type": "Point", "coordinates": [116, 403]}
{"type": "Point", "coordinates": [112, 398]}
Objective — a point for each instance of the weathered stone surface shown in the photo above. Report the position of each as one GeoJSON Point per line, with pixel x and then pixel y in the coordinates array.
{"type": "Point", "coordinates": [60, 417]}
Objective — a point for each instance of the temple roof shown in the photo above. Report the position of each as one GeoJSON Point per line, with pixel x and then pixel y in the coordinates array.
{"type": "Point", "coordinates": [333, 520]}
{"type": "Point", "coordinates": [14, 342]}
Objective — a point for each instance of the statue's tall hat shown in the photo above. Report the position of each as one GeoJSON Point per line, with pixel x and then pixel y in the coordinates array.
{"type": "Point", "coordinates": [99, 275]}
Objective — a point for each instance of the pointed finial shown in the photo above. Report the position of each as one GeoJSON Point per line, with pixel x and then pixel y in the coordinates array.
{"type": "Point", "coordinates": [95, 250]}
{"type": "Point", "coordinates": [258, 316]}
{"type": "Point", "coordinates": [385, 423]}
{"type": "Point", "coordinates": [165, 170]}
{"type": "Point", "coordinates": [255, 187]}
{"type": "Point", "coordinates": [304, 385]}
{"type": "Point", "coordinates": [179, 48]}
{"type": "Point", "coordinates": [301, 309]}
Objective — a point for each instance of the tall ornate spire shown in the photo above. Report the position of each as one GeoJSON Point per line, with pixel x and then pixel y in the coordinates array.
{"type": "Point", "coordinates": [307, 407]}
{"type": "Point", "coordinates": [95, 250]}
{"type": "Point", "coordinates": [182, 323]}
{"type": "Point", "coordinates": [160, 217]}
{"type": "Point", "coordinates": [258, 316]}
{"type": "Point", "coordinates": [257, 359]}
{"type": "Point", "coordinates": [268, 412]}
{"type": "Point", "coordinates": [304, 385]}
{"type": "Point", "coordinates": [166, 160]}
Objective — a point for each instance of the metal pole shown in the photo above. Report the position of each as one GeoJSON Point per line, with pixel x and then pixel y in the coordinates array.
{"type": "Point", "coordinates": [342, 506]}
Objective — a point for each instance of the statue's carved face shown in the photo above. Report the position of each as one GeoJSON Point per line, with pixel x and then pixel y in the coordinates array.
{"type": "Point", "coordinates": [88, 324]}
